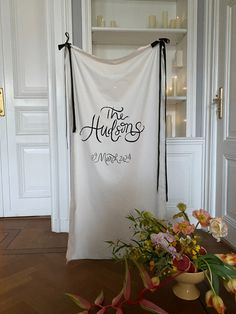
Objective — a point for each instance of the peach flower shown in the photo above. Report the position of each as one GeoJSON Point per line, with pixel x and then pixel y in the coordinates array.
{"type": "Point", "coordinates": [184, 227]}
{"type": "Point", "coordinates": [202, 216]}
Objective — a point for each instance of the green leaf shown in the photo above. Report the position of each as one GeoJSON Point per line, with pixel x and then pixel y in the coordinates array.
{"type": "Point", "coordinates": [215, 283]}
{"type": "Point", "coordinates": [81, 302]}
{"type": "Point", "coordinates": [151, 307]}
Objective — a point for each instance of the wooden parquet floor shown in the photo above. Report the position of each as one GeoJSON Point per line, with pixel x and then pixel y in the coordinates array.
{"type": "Point", "coordinates": [34, 276]}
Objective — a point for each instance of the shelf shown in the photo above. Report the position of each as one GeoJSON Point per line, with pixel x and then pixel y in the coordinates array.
{"type": "Point", "coordinates": [172, 100]}
{"type": "Point", "coordinates": [135, 36]}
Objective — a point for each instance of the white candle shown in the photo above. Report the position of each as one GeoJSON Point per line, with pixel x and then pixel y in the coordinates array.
{"type": "Point", "coordinates": [172, 23]}
{"type": "Point", "coordinates": [100, 21]}
{"type": "Point", "coordinates": [178, 22]}
{"type": "Point", "coordinates": [184, 89]}
{"type": "Point", "coordinates": [174, 85]}
{"type": "Point", "coordinates": [168, 126]}
{"type": "Point", "coordinates": [165, 19]}
{"type": "Point", "coordinates": [170, 91]}
{"type": "Point", "coordinates": [152, 21]}
{"type": "Point", "coordinates": [113, 23]}
{"type": "Point", "coordinates": [179, 58]}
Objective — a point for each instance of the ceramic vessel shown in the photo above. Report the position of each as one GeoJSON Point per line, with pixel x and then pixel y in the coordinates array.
{"type": "Point", "coordinates": [185, 288]}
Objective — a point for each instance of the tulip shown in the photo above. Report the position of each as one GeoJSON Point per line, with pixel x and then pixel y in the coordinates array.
{"type": "Point", "coordinates": [208, 298]}
{"type": "Point", "coordinates": [230, 285]}
{"type": "Point", "coordinates": [218, 304]}
{"type": "Point", "coordinates": [213, 300]}
{"type": "Point", "coordinates": [229, 258]}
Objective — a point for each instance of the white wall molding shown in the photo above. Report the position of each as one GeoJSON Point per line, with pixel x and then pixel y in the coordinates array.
{"type": "Point", "coordinates": [211, 85]}
{"type": "Point", "coordinates": [191, 68]}
{"type": "Point", "coordinates": [58, 22]}
{"type": "Point", "coordinates": [86, 26]}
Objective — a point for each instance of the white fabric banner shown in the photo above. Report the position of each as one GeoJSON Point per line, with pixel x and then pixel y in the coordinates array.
{"type": "Point", "coordinates": [114, 151]}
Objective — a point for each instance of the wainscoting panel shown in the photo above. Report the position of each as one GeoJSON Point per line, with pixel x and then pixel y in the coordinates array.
{"type": "Point", "coordinates": [185, 169]}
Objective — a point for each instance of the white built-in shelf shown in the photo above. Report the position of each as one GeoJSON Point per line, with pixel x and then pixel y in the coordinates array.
{"type": "Point", "coordinates": [175, 99]}
{"type": "Point", "coordinates": [135, 36]}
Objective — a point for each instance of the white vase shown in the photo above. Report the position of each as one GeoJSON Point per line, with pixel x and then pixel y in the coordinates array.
{"type": "Point", "coordinates": [185, 288]}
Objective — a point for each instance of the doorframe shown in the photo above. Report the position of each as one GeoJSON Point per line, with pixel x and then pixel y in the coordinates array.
{"type": "Point", "coordinates": [59, 17]}
{"type": "Point", "coordinates": [210, 87]}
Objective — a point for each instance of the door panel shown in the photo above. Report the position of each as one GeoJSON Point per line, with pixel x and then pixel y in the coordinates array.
{"type": "Point", "coordinates": [24, 41]}
{"type": "Point", "coordinates": [226, 130]}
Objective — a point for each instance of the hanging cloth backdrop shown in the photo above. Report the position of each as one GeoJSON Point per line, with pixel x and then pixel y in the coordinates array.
{"type": "Point", "coordinates": [118, 149]}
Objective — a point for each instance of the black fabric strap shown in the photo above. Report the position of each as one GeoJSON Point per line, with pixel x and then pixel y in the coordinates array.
{"type": "Point", "coordinates": [162, 53]}
{"type": "Point", "coordinates": [68, 46]}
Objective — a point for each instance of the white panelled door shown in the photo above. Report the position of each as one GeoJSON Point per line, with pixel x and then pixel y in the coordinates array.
{"type": "Point", "coordinates": [24, 141]}
{"type": "Point", "coordinates": [226, 127]}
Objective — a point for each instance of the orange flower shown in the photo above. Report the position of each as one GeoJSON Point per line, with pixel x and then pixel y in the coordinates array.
{"type": "Point", "coordinates": [202, 216]}
{"type": "Point", "coordinates": [184, 227]}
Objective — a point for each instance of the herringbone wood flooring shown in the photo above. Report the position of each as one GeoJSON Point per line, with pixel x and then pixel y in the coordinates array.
{"type": "Point", "coordinates": [34, 276]}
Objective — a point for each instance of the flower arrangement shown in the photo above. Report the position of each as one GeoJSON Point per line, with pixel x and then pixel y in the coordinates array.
{"type": "Point", "coordinates": [162, 251]}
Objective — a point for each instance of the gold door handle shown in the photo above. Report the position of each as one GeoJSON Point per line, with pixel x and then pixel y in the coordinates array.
{"type": "Point", "coordinates": [218, 100]}
{"type": "Point", "coordinates": [2, 110]}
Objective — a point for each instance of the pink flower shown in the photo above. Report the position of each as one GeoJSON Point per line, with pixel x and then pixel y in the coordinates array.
{"type": "Point", "coordinates": [202, 216]}
{"type": "Point", "coordinates": [184, 227]}
{"type": "Point", "coordinates": [164, 240]}
{"type": "Point", "coordinates": [218, 228]}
